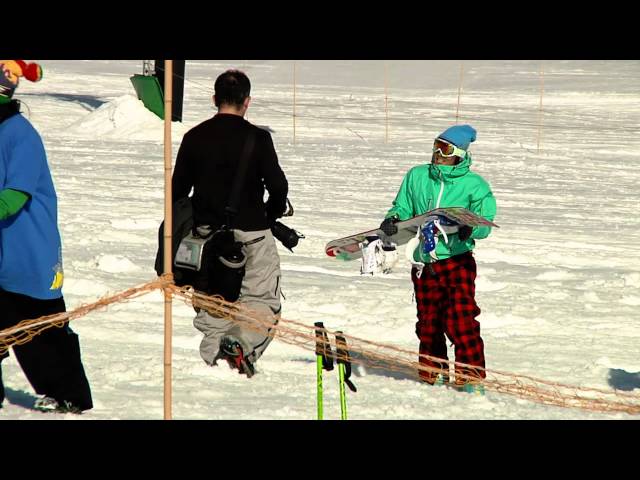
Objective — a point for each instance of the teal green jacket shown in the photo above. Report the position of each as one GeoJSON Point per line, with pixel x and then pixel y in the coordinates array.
{"type": "Point", "coordinates": [430, 186]}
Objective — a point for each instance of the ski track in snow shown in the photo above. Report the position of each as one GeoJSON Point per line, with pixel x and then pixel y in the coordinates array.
{"type": "Point", "coordinates": [558, 283]}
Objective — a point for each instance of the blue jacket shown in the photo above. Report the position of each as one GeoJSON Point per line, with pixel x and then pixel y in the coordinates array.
{"type": "Point", "coordinates": [30, 246]}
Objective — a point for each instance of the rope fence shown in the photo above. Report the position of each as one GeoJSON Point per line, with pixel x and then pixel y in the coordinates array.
{"type": "Point", "coordinates": [360, 351]}
{"type": "Point", "coordinates": [24, 331]}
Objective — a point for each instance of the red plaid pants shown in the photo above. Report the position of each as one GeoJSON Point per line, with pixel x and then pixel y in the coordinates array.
{"type": "Point", "coordinates": [445, 294]}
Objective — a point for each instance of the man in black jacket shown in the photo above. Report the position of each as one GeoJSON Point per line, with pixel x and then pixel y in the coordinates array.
{"type": "Point", "coordinates": [207, 161]}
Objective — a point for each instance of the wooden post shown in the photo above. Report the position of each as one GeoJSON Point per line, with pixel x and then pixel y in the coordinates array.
{"type": "Point", "coordinates": [294, 102]}
{"type": "Point", "coordinates": [386, 103]}
{"type": "Point", "coordinates": [459, 92]}
{"type": "Point", "coordinates": [540, 109]}
{"type": "Point", "coordinates": [168, 227]}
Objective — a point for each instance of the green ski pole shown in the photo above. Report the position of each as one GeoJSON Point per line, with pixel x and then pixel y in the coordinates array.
{"type": "Point", "coordinates": [324, 360]}
{"type": "Point", "coordinates": [319, 385]}
{"type": "Point", "coordinates": [344, 372]}
{"type": "Point", "coordinates": [343, 397]}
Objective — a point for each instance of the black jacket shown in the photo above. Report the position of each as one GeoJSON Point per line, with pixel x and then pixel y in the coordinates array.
{"type": "Point", "coordinates": [207, 161]}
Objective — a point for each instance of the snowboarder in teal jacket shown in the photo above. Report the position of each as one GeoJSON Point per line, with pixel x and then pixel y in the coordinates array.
{"type": "Point", "coordinates": [444, 282]}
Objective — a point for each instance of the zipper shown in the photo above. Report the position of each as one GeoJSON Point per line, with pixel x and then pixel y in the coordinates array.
{"type": "Point", "coordinates": [441, 189]}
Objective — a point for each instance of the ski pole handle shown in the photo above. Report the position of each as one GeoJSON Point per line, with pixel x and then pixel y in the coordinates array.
{"type": "Point", "coordinates": [342, 358]}
{"type": "Point", "coordinates": [323, 346]}
{"type": "Point", "coordinates": [324, 360]}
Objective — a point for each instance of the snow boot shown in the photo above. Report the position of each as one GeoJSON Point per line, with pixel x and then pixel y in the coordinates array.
{"type": "Point", "coordinates": [48, 404]}
{"type": "Point", "coordinates": [470, 387]}
{"type": "Point", "coordinates": [232, 352]}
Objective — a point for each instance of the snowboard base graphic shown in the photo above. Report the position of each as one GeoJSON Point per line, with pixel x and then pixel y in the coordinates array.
{"type": "Point", "coordinates": [348, 248]}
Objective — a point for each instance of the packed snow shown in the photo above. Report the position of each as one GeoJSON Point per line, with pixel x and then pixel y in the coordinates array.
{"type": "Point", "coordinates": [558, 283]}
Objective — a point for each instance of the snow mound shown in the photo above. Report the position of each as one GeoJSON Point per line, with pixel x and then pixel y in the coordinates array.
{"type": "Point", "coordinates": [115, 264]}
{"type": "Point", "coordinates": [124, 118]}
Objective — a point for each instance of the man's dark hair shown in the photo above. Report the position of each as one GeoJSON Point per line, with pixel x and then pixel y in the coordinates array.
{"type": "Point", "coordinates": [232, 87]}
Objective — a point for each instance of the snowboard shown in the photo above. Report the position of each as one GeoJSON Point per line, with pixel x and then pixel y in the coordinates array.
{"type": "Point", "coordinates": [348, 248]}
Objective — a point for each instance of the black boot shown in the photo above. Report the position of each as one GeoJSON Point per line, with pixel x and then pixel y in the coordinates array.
{"type": "Point", "coordinates": [232, 351]}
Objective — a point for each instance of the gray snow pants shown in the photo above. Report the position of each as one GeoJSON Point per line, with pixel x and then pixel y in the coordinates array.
{"type": "Point", "coordinates": [260, 291]}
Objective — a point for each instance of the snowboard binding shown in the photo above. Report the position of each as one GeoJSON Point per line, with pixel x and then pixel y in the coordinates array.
{"type": "Point", "coordinates": [427, 237]}
{"type": "Point", "coordinates": [377, 256]}
{"type": "Point", "coordinates": [430, 231]}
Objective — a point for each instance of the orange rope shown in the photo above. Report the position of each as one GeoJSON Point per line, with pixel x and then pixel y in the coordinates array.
{"type": "Point", "coordinates": [361, 351]}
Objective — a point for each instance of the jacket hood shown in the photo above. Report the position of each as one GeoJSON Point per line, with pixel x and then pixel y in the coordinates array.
{"type": "Point", "coordinates": [449, 172]}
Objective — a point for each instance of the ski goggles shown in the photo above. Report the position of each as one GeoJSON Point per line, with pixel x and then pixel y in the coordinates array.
{"type": "Point", "coordinates": [447, 149]}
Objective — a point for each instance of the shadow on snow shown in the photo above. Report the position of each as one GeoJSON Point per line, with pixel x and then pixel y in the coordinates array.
{"type": "Point", "coordinates": [20, 398]}
{"type": "Point", "coordinates": [623, 380]}
{"type": "Point", "coordinates": [88, 102]}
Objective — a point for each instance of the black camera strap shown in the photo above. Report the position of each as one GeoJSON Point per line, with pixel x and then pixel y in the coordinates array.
{"type": "Point", "coordinates": [231, 210]}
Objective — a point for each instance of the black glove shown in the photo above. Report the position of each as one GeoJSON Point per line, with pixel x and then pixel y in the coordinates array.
{"type": "Point", "coordinates": [464, 232]}
{"type": "Point", "coordinates": [389, 227]}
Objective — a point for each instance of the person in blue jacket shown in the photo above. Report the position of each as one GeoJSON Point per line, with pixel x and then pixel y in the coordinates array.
{"type": "Point", "coordinates": [31, 273]}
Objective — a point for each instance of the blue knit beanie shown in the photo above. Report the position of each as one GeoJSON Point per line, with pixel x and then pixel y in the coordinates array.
{"type": "Point", "coordinates": [460, 135]}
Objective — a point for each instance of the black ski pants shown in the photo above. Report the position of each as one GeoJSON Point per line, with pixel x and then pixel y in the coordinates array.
{"type": "Point", "coordinates": [51, 360]}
